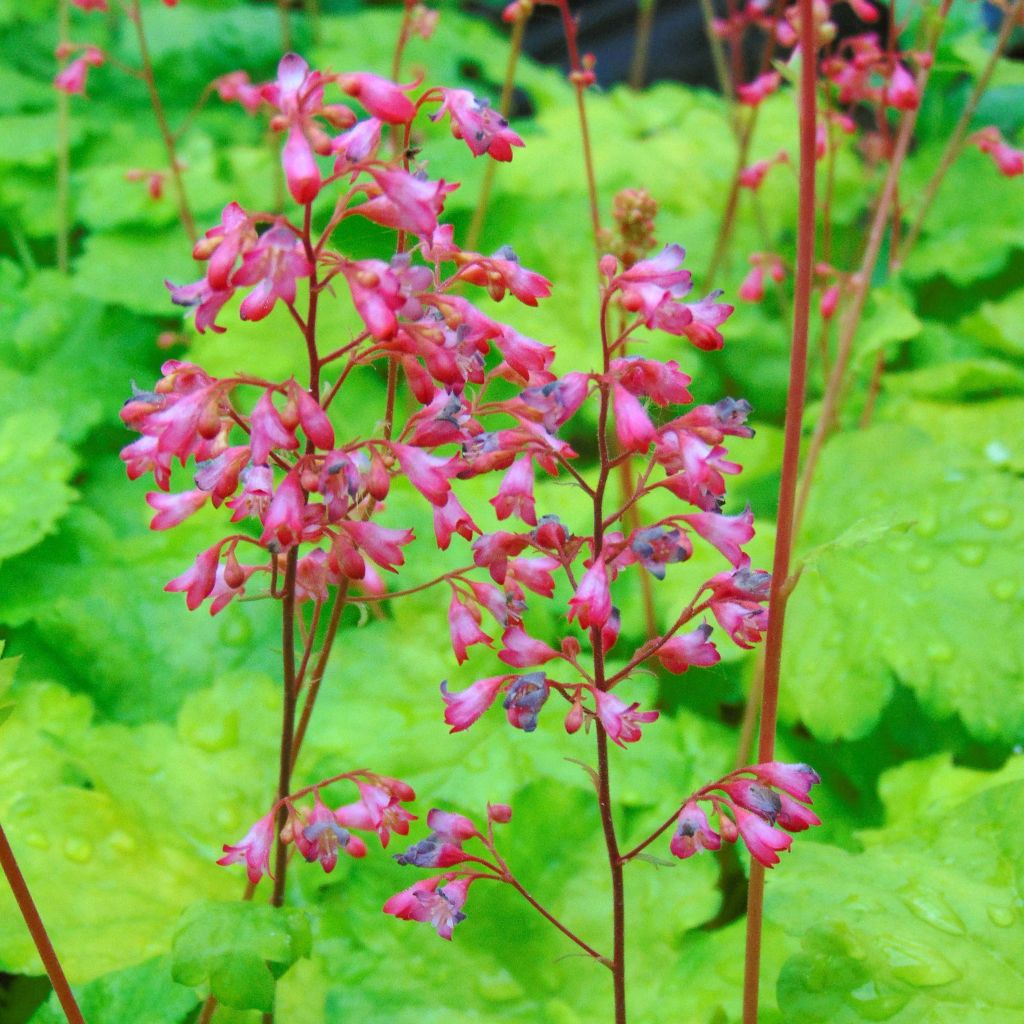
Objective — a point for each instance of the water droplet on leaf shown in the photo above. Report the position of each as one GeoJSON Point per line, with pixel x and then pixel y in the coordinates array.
{"type": "Point", "coordinates": [916, 963]}
{"type": "Point", "coordinates": [37, 840]}
{"type": "Point", "coordinates": [870, 1004]}
{"type": "Point", "coordinates": [122, 842]}
{"type": "Point", "coordinates": [78, 850]}
{"type": "Point", "coordinates": [933, 909]}
{"type": "Point", "coordinates": [1002, 917]}
{"type": "Point", "coordinates": [1003, 590]}
{"type": "Point", "coordinates": [922, 563]}
{"type": "Point", "coordinates": [996, 517]}
{"type": "Point", "coordinates": [971, 554]}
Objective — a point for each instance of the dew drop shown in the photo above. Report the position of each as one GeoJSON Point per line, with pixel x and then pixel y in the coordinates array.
{"type": "Point", "coordinates": [78, 850]}
{"type": "Point", "coordinates": [997, 452]}
{"type": "Point", "coordinates": [940, 652]}
{"type": "Point", "coordinates": [916, 963]}
{"type": "Point", "coordinates": [933, 909]}
{"type": "Point", "coordinates": [1002, 917]}
{"type": "Point", "coordinates": [927, 525]}
{"type": "Point", "coordinates": [212, 734]}
{"type": "Point", "coordinates": [1003, 590]}
{"type": "Point", "coordinates": [971, 554]}
{"type": "Point", "coordinates": [996, 517]}
{"type": "Point", "coordinates": [498, 986]}
{"type": "Point", "coordinates": [122, 842]}
{"type": "Point", "coordinates": [37, 840]}
{"type": "Point", "coordinates": [226, 816]}
{"type": "Point", "coordinates": [870, 1004]}
{"type": "Point", "coordinates": [922, 564]}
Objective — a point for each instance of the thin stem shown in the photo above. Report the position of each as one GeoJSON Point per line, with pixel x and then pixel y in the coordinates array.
{"type": "Point", "coordinates": [174, 167]}
{"type": "Point", "coordinates": [27, 906]}
{"type": "Point", "coordinates": [725, 83]}
{"type": "Point", "coordinates": [661, 829]}
{"type": "Point", "coordinates": [746, 135]}
{"type": "Point", "coordinates": [505, 105]}
{"type": "Point", "coordinates": [780, 585]}
{"type": "Point", "coordinates": [860, 284]}
{"type": "Point", "coordinates": [285, 25]}
{"type": "Point", "coordinates": [642, 43]}
{"type": "Point", "coordinates": [615, 866]}
{"type": "Point", "coordinates": [63, 153]}
{"type": "Point", "coordinates": [956, 139]}
{"type": "Point", "coordinates": [284, 777]}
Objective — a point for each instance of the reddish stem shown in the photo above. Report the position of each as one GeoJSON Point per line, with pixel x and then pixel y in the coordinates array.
{"type": "Point", "coordinates": [27, 906]}
{"type": "Point", "coordinates": [780, 585]}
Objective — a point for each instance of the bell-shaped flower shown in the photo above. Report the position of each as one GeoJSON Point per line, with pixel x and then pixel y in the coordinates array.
{"type": "Point", "coordinates": [405, 202]}
{"type": "Point", "coordinates": [902, 92]}
{"type": "Point", "coordinates": [464, 627]}
{"type": "Point", "coordinates": [706, 316]}
{"type": "Point", "coordinates": [222, 245]}
{"type": "Point", "coordinates": [493, 551]}
{"type": "Point", "coordinates": [521, 650]}
{"type": "Point", "coordinates": [678, 653]}
{"type": "Point", "coordinates": [620, 720]}
{"type": "Point", "coordinates": [257, 491]}
{"type": "Point", "coordinates": [267, 430]}
{"type": "Point", "coordinates": [451, 518]}
{"type": "Point", "coordinates": [757, 91]}
{"type": "Point", "coordinates": [727, 533]}
{"type": "Point", "coordinates": [475, 121]}
{"type": "Point", "coordinates": [427, 473]}
{"type": "Point", "coordinates": [762, 840]}
{"type": "Point", "coordinates": [203, 300]}
{"type": "Point", "coordinates": [443, 847]}
{"type": "Point", "coordinates": [379, 808]}
{"type": "Point", "coordinates": [383, 545]}
{"type": "Point", "coordinates": [197, 582]}
{"type": "Point", "coordinates": [633, 427]}
{"type": "Point", "coordinates": [659, 546]}
{"type": "Point", "coordinates": [356, 145]}
{"type": "Point", "coordinates": [794, 779]}
{"type": "Point", "coordinates": [273, 265]}
{"type": "Point", "coordinates": [376, 294]}
{"type": "Point", "coordinates": [382, 98]}
{"type": "Point", "coordinates": [525, 696]}
{"type": "Point", "coordinates": [318, 836]}
{"type": "Point", "coordinates": [592, 603]}
{"type": "Point", "coordinates": [663, 383]}
{"type": "Point", "coordinates": [463, 708]}
{"type": "Point", "coordinates": [515, 495]}
{"type": "Point", "coordinates": [284, 517]}
{"type": "Point", "coordinates": [254, 849]}
{"type": "Point", "coordinates": [557, 401]}
{"type": "Point", "coordinates": [693, 832]}
{"type": "Point", "coordinates": [172, 509]}
{"type": "Point", "coordinates": [433, 903]}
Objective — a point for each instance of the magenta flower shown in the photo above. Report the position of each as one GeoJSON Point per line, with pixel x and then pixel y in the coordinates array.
{"type": "Point", "coordinates": [268, 431]}
{"type": "Point", "coordinates": [384, 546]}
{"type": "Point", "coordinates": [318, 835]}
{"type": "Point", "coordinates": [427, 473]}
{"type": "Point", "coordinates": [379, 808]}
{"type": "Point", "coordinates": [525, 697]}
{"type": "Point", "coordinates": [621, 721]}
{"type": "Point", "coordinates": [483, 128]}
{"type": "Point", "coordinates": [902, 92]}
{"type": "Point", "coordinates": [657, 547]}
{"type": "Point", "coordinates": [376, 294]}
{"type": "Point", "coordinates": [443, 847]}
{"type": "Point", "coordinates": [71, 79]}
{"type": "Point", "coordinates": [763, 841]}
{"type": "Point", "coordinates": [254, 849]}
{"type": "Point", "coordinates": [663, 383]}
{"type": "Point", "coordinates": [206, 302]}
{"type": "Point", "coordinates": [284, 518]}
{"type": "Point", "coordinates": [693, 833]}
{"type": "Point", "coordinates": [706, 317]}
{"type": "Point", "coordinates": [989, 140]}
{"type": "Point", "coordinates": [522, 650]}
{"type": "Point", "coordinates": [428, 901]}
{"type": "Point", "coordinates": [794, 779]}
{"type": "Point", "coordinates": [405, 202]}
{"type": "Point", "coordinates": [356, 145]}
{"type": "Point", "coordinates": [592, 603]}
{"type": "Point", "coordinates": [515, 495]}
{"type": "Point", "coordinates": [680, 652]}
{"type": "Point", "coordinates": [463, 708]}
{"type": "Point", "coordinates": [451, 518]}
{"type": "Point", "coordinates": [727, 533]}
{"type": "Point", "coordinates": [197, 582]}
{"type": "Point", "coordinates": [273, 265]}
{"type": "Point", "coordinates": [172, 509]}
{"type": "Point", "coordinates": [464, 626]}
{"type": "Point", "coordinates": [633, 427]}
{"type": "Point", "coordinates": [257, 490]}
{"type": "Point", "coordinates": [382, 98]}
{"type": "Point", "coordinates": [223, 244]}
{"type": "Point", "coordinates": [759, 89]}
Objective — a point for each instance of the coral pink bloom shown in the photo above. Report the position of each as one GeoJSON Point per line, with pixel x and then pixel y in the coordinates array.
{"type": "Point", "coordinates": [430, 902]}
{"type": "Point", "coordinates": [427, 473]}
{"type": "Point", "coordinates": [592, 603]}
{"type": "Point", "coordinates": [621, 721]}
{"type": "Point", "coordinates": [693, 832]}
{"type": "Point", "coordinates": [406, 203]}
{"type": "Point", "coordinates": [254, 849]}
{"type": "Point", "coordinates": [384, 546]}
{"type": "Point", "coordinates": [464, 626]}
{"type": "Point", "coordinates": [759, 89]}
{"type": "Point", "coordinates": [1010, 161]}
{"type": "Point", "coordinates": [650, 283]}
{"type": "Point", "coordinates": [257, 490]}
{"type": "Point", "coordinates": [483, 128]}
{"type": "Point", "coordinates": [902, 92]}
{"type": "Point", "coordinates": [172, 509]}
{"type": "Point", "coordinates": [633, 427]}
{"type": "Point", "coordinates": [72, 79]}
{"type": "Point", "coordinates": [515, 495]}
{"type": "Point", "coordinates": [379, 808]}
{"type": "Point", "coordinates": [727, 533]}
{"type": "Point", "coordinates": [197, 583]}
{"type": "Point", "coordinates": [283, 521]}
{"type": "Point", "coordinates": [267, 430]}
{"type": "Point", "coordinates": [273, 264]}
{"type": "Point", "coordinates": [376, 294]}
{"type": "Point", "coordinates": [830, 296]}
{"type": "Point", "coordinates": [452, 518]}
{"type": "Point", "coordinates": [522, 650]}
{"type": "Point", "coordinates": [143, 456]}
{"type": "Point", "coordinates": [693, 648]}
{"type": "Point", "coordinates": [223, 244]}
{"type": "Point", "coordinates": [744, 621]}
{"type": "Point", "coordinates": [493, 550]}
{"type": "Point", "coordinates": [706, 317]}
{"type": "Point", "coordinates": [236, 86]}
{"type": "Point", "coordinates": [300, 166]}
{"type": "Point", "coordinates": [312, 418]}
{"type": "Point", "coordinates": [463, 708]}
{"type": "Point", "coordinates": [763, 841]}
{"type": "Point", "coordinates": [503, 271]}
{"type": "Point", "coordinates": [320, 835]}
{"type": "Point", "coordinates": [382, 98]}
{"type": "Point", "coordinates": [443, 847]}
{"type": "Point", "coordinates": [794, 779]}
{"type": "Point", "coordinates": [535, 574]}
{"type": "Point", "coordinates": [663, 383]}
{"type": "Point", "coordinates": [206, 302]}
{"type": "Point", "coordinates": [356, 145]}
{"type": "Point", "coordinates": [752, 286]}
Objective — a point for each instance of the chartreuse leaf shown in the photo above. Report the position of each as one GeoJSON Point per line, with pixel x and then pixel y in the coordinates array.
{"type": "Point", "coordinates": [898, 606]}
{"type": "Point", "coordinates": [237, 950]}
{"type": "Point", "coordinates": [34, 470]}
{"type": "Point", "coordinates": [923, 925]}
{"type": "Point", "coordinates": [143, 994]}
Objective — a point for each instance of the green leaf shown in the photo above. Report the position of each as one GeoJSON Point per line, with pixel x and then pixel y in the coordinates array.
{"type": "Point", "coordinates": [965, 378]}
{"type": "Point", "coordinates": [34, 470]}
{"type": "Point", "coordinates": [238, 950]}
{"type": "Point", "coordinates": [144, 994]}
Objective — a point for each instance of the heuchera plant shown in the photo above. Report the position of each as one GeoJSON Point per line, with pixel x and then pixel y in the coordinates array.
{"type": "Point", "coordinates": [309, 526]}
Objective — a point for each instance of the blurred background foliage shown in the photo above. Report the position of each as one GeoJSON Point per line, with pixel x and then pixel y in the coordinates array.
{"type": "Point", "coordinates": [141, 737]}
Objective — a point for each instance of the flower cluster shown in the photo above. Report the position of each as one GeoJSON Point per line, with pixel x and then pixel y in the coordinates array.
{"type": "Point", "coordinates": [760, 805]}
{"type": "Point", "coordinates": [319, 832]}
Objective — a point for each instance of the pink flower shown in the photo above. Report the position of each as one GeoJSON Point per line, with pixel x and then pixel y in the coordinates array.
{"type": "Point", "coordinates": [284, 518]}
{"type": "Point", "coordinates": [621, 721]}
{"type": "Point", "coordinates": [902, 92]}
{"type": "Point", "coordinates": [463, 708]}
{"type": "Point", "coordinates": [91, 5]}
{"type": "Point", "coordinates": [493, 550]}
{"type": "Point", "coordinates": [727, 533]}
{"type": "Point", "coordinates": [706, 317]}
{"type": "Point", "coordinates": [72, 79]}
{"type": "Point", "coordinates": [356, 145]}
{"type": "Point", "coordinates": [830, 296]}
{"type": "Point", "coordinates": [257, 490]}
{"type": "Point", "coordinates": [206, 302]}
{"type": "Point", "coordinates": [753, 176]}
{"type": "Point", "coordinates": [379, 808]}
{"type": "Point", "coordinates": [744, 621]}
{"type": "Point", "coordinates": [763, 841]}
{"type": "Point", "coordinates": [521, 649]}
{"type": "Point", "coordinates": [752, 286]}
{"type": "Point", "coordinates": [443, 847]}
{"type": "Point", "coordinates": [794, 779]}
{"type": "Point", "coordinates": [483, 128]}
{"type": "Point", "coordinates": [406, 202]}
{"type": "Point", "coordinates": [267, 430]}
{"type": "Point", "coordinates": [662, 382]}
{"type": "Point", "coordinates": [659, 546]}
{"type": "Point", "coordinates": [273, 264]}
{"type": "Point", "coordinates": [319, 835]}
{"type": "Point", "coordinates": [427, 473]}
{"type": "Point", "coordinates": [649, 284]}
{"type": "Point", "coordinates": [312, 418]}
{"type": "Point", "coordinates": [515, 495]}
{"type": "Point", "coordinates": [223, 244]}
{"type": "Point", "coordinates": [759, 89]}
{"type": "Point", "coordinates": [633, 427]}
{"type": "Point", "coordinates": [525, 697]}
{"type": "Point", "coordinates": [172, 509]}
{"type": "Point", "coordinates": [464, 626]}
{"type": "Point", "coordinates": [592, 603]}
{"type": "Point", "coordinates": [680, 652]}
{"type": "Point", "coordinates": [254, 849]}
{"type": "Point", "coordinates": [197, 583]}
{"type": "Point", "coordinates": [428, 901]}
{"type": "Point", "coordinates": [376, 294]}
{"type": "Point", "coordinates": [451, 518]}
{"type": "Point", "coordinates": [237, 86]}
{"type": "Point", "coordinates": [384, 546]}
{"type": "Point", "coordinates": [693, 832]}
{"type": "Point", "coordinates": [1010, 161]}
{"type": "Point", "coordinates": [383, 99]}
